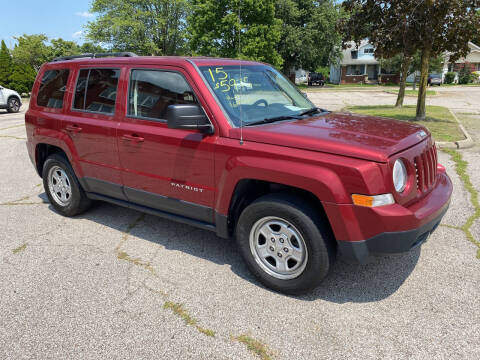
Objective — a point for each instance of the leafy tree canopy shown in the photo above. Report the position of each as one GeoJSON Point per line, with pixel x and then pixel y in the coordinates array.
{"type": "Point", "coordinates": [5, 65]}
{"type": "Point", "coordinates": [309, 38]}
{"type": "Point", "coordinates": [214, 29]}
{"type": "Point", "coordinates": [22, 78]}
{"type": "Point", "coordinates": [60, 47]}
{"type": "Point", "coordinates": [32, 50]}
{"type": "Point", "coordinates": [432, 27]}
{"type": "Point", "coordinates": [147, 27]}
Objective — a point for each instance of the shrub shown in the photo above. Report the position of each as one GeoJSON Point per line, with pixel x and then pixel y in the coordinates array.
{"type": "Point", "coordinates": [449, 77]}
{"type": "Point", "coordinates": [22, 78]}
{"type": "Point", "coordinates": [465, 76]}
{"type": "Point", "coordinates": [476, 77]}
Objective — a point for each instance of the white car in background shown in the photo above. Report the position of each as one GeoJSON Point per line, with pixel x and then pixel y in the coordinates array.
{"type": "Point", "coordinates": [10, 100]}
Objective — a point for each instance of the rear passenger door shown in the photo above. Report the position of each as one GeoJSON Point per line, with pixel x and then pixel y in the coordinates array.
{"type": "Point", "coordinates": [91, 125]}
{"type": "Point", "coordinates": [166, 169]}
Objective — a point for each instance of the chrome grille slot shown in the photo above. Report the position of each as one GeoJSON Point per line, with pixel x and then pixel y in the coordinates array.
{"type": "Point", "coordinates": [426, 169]}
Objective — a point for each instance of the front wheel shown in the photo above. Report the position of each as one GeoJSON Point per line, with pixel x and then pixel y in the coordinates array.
{"type": "Point", "coordinates": [13, 105]}
{"type": "Point", "coordinates": [286, 243]}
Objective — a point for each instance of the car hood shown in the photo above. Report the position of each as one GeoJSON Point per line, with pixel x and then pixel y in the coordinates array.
{"type": "Point", "coordinates": [353, 135]}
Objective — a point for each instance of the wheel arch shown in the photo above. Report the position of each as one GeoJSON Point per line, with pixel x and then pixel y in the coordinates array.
{"type": "Point", "coordinates": [248, 190]}
{"type": "Point", "coordinates": [249, 178]}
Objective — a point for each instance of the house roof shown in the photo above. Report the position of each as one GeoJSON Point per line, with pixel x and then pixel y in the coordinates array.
{"type": "Point", "coordinates": [347, 55]}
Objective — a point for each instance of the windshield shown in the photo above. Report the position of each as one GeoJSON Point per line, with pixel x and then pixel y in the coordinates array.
{"type": "Point", "coordinates": [258, 93]}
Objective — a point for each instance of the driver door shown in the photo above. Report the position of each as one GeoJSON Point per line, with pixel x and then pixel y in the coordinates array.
{"type": "Point", "coordinates": [165, 169]}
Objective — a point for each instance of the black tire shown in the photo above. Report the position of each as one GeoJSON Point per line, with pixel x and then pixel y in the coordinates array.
{"type": "Point", "coordinates": [311, 225]}
{"type": "Point", "coordinates": [77, 201]}
{"type": "Point", "coordinates": [13, 105]}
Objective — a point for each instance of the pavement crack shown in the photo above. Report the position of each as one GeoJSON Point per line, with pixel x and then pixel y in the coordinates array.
{"type": "Point", "coordinates": [461, 170]}
{"type": "Point", "coordinates": [182, 313]}
{"type": "Point", "coordinates": [20, 248]}
{"type": "Point", "coordinates": [12, 127]}
{"type": "Point", "coordinates": [255, 346]}
{"type": "Point", "coordinates": [19, 201]}
{"type": "Point", "coordinates": [12, 137]}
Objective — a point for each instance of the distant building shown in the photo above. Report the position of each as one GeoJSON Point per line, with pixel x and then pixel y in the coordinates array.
{"type": "Point", "coordinates": [359, 65]}
{"type": "Point", "coordinates": [473, 59]}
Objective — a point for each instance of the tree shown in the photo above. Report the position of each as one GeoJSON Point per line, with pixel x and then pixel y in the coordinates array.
{"type": "Point", "coordinates": [388, 27]}
{"type": "Point", "coordinates": [5, 65]}
{"type": "Point", "coordinates": [147, 27]}
{"type": "Point", "coordinates": [309, 38]}
{"type": "Point", "coordinates": [91, 48]}
{"type": "Point", "coordinates": [432, 27]}
{"type": "Point", "coordinates": [446, 25]}
{"type": "Point", "coordinates": [32, 50]}
{"type": "Point", "coordinates": [395, 64]}
{"type": "Point", "coordinates": [215, 30]}
{"type": "Point", "coordinates": [22, 78]}
{"type": "Point", "coordinates": [60, 47]}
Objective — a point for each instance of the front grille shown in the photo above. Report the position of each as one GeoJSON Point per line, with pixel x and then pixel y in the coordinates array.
{"type": "Point", "coordinates": [426, 169]}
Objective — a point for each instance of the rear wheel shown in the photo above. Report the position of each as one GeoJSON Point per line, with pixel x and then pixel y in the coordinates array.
{"type": "Point", "coordinates": [62, 186]}
{"type": "Point", "coordinates": [286, 243]}
{"type": "Point", "coordinates": [13, 105]}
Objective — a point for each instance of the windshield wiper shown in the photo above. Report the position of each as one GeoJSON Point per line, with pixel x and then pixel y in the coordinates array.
{"type": "Point", "coordinates": [312, 111]}
{"type": "Point", "coordinates": [273, 119]}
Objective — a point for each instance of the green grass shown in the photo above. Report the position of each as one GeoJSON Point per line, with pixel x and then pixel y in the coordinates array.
{"type": "Point", "coordinates": [180, 311]}
{"type": "Point", "coordinates": [20, 248]}
{"type": "Point", "coordinates": [413, 92]}
{"type": "Point", "coordinates": [255, 346]}
{"type": "Point", "coordinates": [440, 121]}
{"type": "Point", "coordinates": [461, 170]}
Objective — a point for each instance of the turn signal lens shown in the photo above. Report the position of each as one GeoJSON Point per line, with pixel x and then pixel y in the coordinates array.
{"type": "Point", "coordinates": [373, 201]}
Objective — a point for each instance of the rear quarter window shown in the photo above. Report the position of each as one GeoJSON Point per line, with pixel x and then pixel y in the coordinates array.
{"type": "Point", "coordinates": [52, 88]}
{"type": "Point", "coordinates": [96, 90]}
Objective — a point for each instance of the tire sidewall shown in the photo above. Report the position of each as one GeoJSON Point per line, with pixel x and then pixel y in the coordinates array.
{"type": "Point", "coordinates": [72, 208]}
{"type": "Point", "coordinates": [9, 108]}
{"type": "Point", "coordinates": [319, 259]}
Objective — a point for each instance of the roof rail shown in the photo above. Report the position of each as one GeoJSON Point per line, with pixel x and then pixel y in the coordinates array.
{"type": "Point", "coordinates": [98, 55]}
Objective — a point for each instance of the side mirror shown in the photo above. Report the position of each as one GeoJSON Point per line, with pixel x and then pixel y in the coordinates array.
{"type": "Point", "coordinates": [188, 116]}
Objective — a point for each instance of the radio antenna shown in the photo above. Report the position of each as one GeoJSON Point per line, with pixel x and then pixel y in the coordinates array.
{"type": "Point", "coordinates": [240, 82]}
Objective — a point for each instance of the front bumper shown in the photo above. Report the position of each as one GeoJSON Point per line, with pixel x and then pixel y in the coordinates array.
{"type": "Point", "coordinates": [396, 229]}
{"type": "Point", "coordinates": [389, 242]}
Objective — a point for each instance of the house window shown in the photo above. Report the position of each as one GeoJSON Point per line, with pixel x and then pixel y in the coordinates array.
{"type": "Point", "coordinates": [354, 54]}
{"type": "Point", "coordinates": [355, 69]}
{"type": "Point", "coordinates": [368, 51]}
{"type": "Point", "coordinates": [387, 71]}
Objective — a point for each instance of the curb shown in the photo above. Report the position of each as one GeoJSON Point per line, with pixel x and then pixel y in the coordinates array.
{"type": "Point", "coordinates": [461, 144]}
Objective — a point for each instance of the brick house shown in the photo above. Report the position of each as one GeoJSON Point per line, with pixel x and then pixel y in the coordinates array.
{"type": "Point", "coordinates": [359, 65]}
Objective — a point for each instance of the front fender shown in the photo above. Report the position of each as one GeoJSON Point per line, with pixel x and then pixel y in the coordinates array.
{"type": "Point", "coordinates": [322, 182]}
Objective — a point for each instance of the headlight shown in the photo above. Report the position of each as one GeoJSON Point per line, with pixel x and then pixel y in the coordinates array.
{"type": "Point", "coordinates": [399, 176]}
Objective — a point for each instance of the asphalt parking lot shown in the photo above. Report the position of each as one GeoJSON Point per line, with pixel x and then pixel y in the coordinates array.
{"type": "Point", "coordinates": [114, 283]}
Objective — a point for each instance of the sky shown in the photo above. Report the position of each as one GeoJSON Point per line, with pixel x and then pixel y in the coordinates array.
{"type": "Point", "coordinates": [54, 18]}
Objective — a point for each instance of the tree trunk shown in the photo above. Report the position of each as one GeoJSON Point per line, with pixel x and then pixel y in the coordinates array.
{"type": "Point", "coordinates": [403, 81]}
{"type": "Point", "coordinates": [422, 87]}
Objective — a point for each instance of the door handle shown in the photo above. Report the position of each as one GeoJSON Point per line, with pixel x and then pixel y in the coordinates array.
{"type": "Point", "coordinates": [73, 128]}
{"type": "Point", "coordinates": [134, 138]}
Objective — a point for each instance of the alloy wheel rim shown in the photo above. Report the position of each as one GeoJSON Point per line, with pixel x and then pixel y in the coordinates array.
{"type": "Point", "coordinates": [278, 248]}
{"type": "Point", "coordinates": [14, 105]}
{"type": "Point", "coordinates": [59, 185]}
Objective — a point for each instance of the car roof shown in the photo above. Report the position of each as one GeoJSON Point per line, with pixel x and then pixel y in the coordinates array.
{"type": "Point", "coordinates": [156, 60]}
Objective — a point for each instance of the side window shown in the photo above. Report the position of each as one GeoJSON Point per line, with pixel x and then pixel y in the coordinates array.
{"type": "Point", "coordinates": [96, 90]}
{"type": "Point", "coordinates": [52, 88]}
{"type": "Point", "coordinates": [152, 91]}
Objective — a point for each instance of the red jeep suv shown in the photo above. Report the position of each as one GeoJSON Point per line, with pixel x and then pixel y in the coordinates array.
{"type": "Point", "coordinates": [233, 147]}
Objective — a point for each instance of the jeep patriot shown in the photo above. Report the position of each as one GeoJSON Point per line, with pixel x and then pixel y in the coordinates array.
{"type": "Point", "coordinates": [233, 147]}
